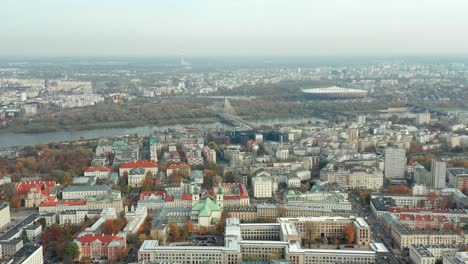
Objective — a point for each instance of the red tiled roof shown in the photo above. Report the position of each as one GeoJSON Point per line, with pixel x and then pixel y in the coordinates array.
{"type": "Point", "coordinates": [169, 198]}
{"type": "Point", "coordinates": [416, 210]}
{"type": "Point", "coordinates": [105, 239]}
{"type": "Point", "coordinates": [22, 188]}
{"type": "Point", "coordinates": [97, 168]}
{"type": "Point", "coordinates": [178, 166]}
{"type": "Point", "coordinates": [52, 201]}
{"type": "Point", "coordinates": [186, 197]}
{"type": "Point", "coordinates": [406, 217]}
{"type": "Point", "coordinates": [149, 193]}
{"type": "Point", "coordinates": [139, 164]}
{"type": "Point", "coordinates": [423, 217]}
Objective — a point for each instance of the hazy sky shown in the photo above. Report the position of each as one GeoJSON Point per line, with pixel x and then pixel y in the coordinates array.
{"type": "Point", "coordinates": [235, 27]}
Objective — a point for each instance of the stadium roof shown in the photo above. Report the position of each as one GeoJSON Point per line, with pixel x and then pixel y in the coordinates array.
{"type": "Point", "coordinates": [331, 90]}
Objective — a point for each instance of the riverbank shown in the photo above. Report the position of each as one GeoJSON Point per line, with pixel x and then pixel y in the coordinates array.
{"type": "Point", "coordinates": [11, 139]}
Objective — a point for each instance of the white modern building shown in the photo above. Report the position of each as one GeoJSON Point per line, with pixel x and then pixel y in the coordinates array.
{"type": "Point", "coordinates": [262, 186]}
{"type": "Point", "coordinates": [438, 172]}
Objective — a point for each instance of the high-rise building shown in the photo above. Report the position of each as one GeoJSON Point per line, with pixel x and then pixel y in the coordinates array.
{"type": "Point", "coordinates": [438, 172]}
{"type": "Point", "coordinates": [423, 118]}
{"type": "Point", "coordinates": [395, 161]}
{"type": "Point", "coordinates": [361, 119]}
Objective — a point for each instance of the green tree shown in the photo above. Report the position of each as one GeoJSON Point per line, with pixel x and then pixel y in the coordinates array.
{"type": "Point", "coordinates": [70, 250]}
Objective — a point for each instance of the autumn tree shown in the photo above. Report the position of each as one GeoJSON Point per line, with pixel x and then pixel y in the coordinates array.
{"type": "Point", "coordinates": [113, 226]}
{"type": "Point", "coordinates": [399, 189]}
{"type": "Point", "coordinates": [174, 178]}
{"type": "Point", "coordinates": [189, 227]}
{"type": "Point", "coordinates": [148, 182]}
{"type": "Point", "coordinates": [447, 227]}
{"type": "Point", "coordinates": [202, 230]}
{"type": "Point", "coordinates": [463, 248]}
{"type": "Point", "coordinates": [349, 233]}
{"type": "Point", "coordinates": [142, 238]}
{"type": "Point", "coordinates": [53, 240]}
{"type": "Point", "coordinates": [432, 197]}
{"type": "Point", "coordinates": [174, 231]}
{"type": "Point", "coordinates": [15, 202]}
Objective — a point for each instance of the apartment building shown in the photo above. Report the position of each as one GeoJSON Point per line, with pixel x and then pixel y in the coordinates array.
{"type": "Point", "coordinates": [4, 215]}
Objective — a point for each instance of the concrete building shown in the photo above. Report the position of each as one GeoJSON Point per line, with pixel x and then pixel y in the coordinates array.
{"type": "Point", "coordinates": [76, 217]}
{"type": "Point", "coordinates": [4, 215]}
{"type": "Point", "coordinates": [135, 218]}
{"type": "Point", "coordinates": [28, 254]}
{"type": "Point", "coordinates": [455, 258]}
{"type": "Point", "coordinates": [430, 254]}
{"type": "Point", "coordinates": [423, 118]}
{"type": "Point", "coordinates": [438, 173]}
{"type": "Point", "coordinates": [80, 192]}
{"type": "Point", "coordinates": [395, 162]}
{"type": "Point", "coordinates": [263, 240]}
{"type": "Point", "coordinates": [262, 186]}
{"type": "Point", "coordinates": [10, 247]}
{"type": "Point", "coordinates": [351, 177]}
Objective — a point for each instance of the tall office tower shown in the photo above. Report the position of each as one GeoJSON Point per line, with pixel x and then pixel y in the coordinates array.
{"type": "Point", "coordinates": [438, 172]}
{"type": "Point", "coordinates": [395, 162]}
{"type": "Point", "coordinates": [361, 119]}
{"type": "Point", "coordinates": [423, 118]}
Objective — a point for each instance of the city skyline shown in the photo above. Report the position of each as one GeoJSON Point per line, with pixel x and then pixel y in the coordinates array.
{"type": "Point", "coordinates": [240, 28]}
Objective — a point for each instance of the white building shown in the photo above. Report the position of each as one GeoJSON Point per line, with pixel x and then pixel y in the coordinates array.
{"type": "Point", "coordinates": [135, 218]}
{"type": "Point", "coordinates": [4, 215]}
{"type": "Point", "coordinates": [80, 192]}
{"type": "Point", "coordinates": [28, 254]}
{"type": "Point", "coordinates": [76, 217]}
{"type": "Point", "coordinates": [438, 172]}
{"type": "Point", "coordinates": [294, 182]}
{"type": "Point", "coordinates": [423, 118]}
{"type": "Point", "coordinates": [262, 186]}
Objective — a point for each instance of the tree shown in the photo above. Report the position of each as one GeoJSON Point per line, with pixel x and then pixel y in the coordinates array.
{"type": "Point", "coordinates": [70, 250]}
{"type": "Point", "coordinates": [113, 226]}
{"type": "Point", "coordinates": [142, 237]}
{"type": "Point", "coordinates": [148, 182]}
{"type": "Point", "coordinates": [189, 227]}
{"type": "Point", "coordinates": [447, 227]}
{"type": "Point", "coordinates": [42, 222]}
{"type": "Point", "coordinates": [399, 189]}
{"type": "Point", "coordinates": [229, 177]}
{"type": "Point", "coordinates": [53, 240]}
{"type": "Point", "coordinates": [202, 230]}
{"type": "Point", "coordinates": [432, 197]}
{"type": "Point", "coordinates": [15, 202]}
{"type": "Point", "coordinates": [174, 231]}
{"type": "Point", "coordinates": [174, 178]}
{"type": "Point", "coordinates": [463, 248]}
{"type": "Point", "coordinates": [349, 233]}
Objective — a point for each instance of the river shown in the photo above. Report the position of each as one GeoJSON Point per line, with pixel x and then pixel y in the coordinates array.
{"type": "Point", "coordinates": [25, 139]}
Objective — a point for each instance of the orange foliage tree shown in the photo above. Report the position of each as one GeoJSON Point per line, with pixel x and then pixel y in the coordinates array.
{"type": "Point", "coordinates": [399, 189]}
{"type": "Point", "coordinates": [174, 231]}
{"type": "Point", "coordinates": [432, 197]}
{"type": "Point", "coordinates": [113, 226]}
{"type": "Point", "coordinates": [349, 233]}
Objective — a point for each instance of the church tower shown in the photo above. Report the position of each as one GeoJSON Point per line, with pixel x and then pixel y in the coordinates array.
{"type": "Point", "coordinates": [195, 195]}
{"type": "Point", "coordinates": [220, 196]}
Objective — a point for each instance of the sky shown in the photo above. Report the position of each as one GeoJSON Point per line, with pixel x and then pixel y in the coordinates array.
{"type": "Point", "coordinates": [233, 27]}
